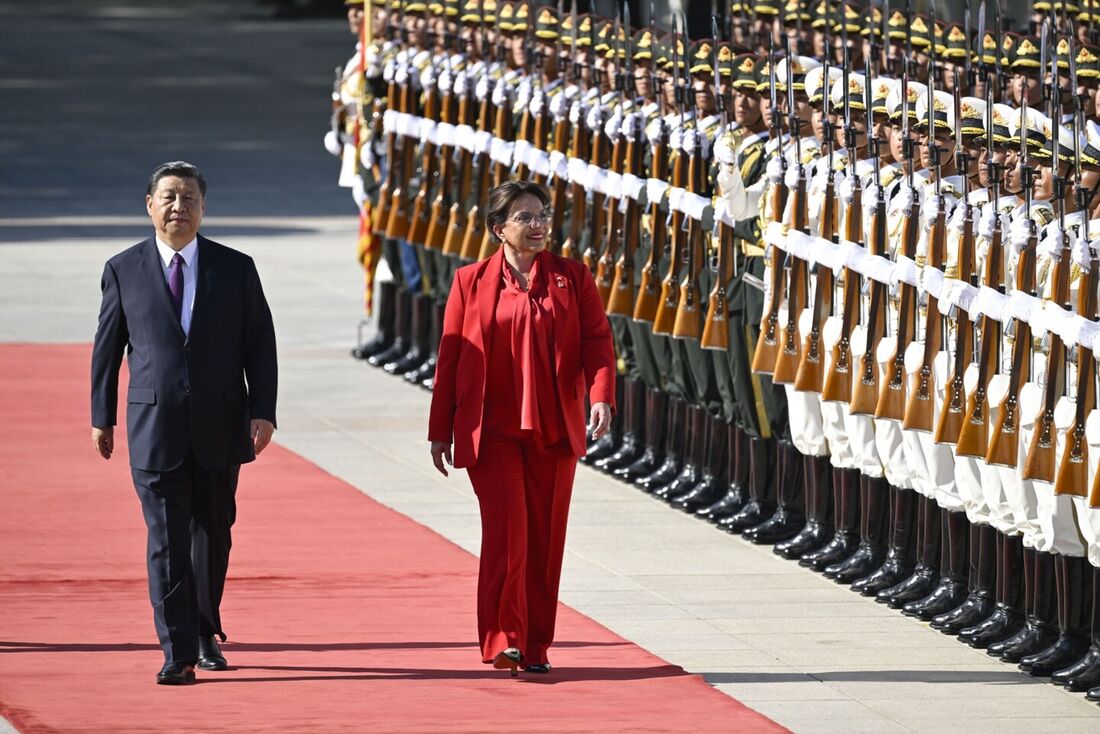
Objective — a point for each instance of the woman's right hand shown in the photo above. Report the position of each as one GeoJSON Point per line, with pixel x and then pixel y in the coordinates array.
{"type": "Point", "coordinates": [441, 450]}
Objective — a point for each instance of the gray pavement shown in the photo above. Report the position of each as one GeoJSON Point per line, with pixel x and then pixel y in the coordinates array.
{"type": "Point", "coordinates": [811, 655]}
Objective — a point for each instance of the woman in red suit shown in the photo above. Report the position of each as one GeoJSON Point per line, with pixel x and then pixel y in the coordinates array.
{"type": "Point", "coordinates": [524, 340]}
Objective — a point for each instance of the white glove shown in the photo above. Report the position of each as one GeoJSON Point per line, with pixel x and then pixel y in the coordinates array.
{"type": "Point", "coordinates": [559, 106]}
{"type": "Point", "coordinates": [774, 171]}
{"type": "Point", "coordinates": [1081, 254]}
{"type": "Point", "coordinates": [793, 174]}
{"type": "Point", "coordinates": [500, 94]}
{"type": "Point", "coordinates": [595, 118]}
{"type": "Point", "coordinates": [1051, 243]}
{"type": "Point", "coordinates": [614, 125]}
{"type": "Point", "coordinates": [1019, 232]}
{"type": "Point", "coordinates": [483, 88]}
{"type": "Point", "coordinates": [846, 189]}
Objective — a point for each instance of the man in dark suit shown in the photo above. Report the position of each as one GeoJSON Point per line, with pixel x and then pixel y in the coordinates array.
{"type": "Point", "coordinates": [191, 317]}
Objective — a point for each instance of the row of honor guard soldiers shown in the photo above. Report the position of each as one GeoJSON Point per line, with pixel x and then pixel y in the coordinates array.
{"type": "Point", "coordinates": [846, 255]}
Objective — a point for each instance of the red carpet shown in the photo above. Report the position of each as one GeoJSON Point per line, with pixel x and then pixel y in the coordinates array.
{"type": "Point", "coordinates": [342, 615]}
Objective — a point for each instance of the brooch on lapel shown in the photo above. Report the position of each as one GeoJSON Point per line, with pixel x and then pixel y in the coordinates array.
{"type": "Point", "coordinates": [560, 281]}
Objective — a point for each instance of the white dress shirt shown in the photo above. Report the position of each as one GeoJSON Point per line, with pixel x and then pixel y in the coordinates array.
{"type": "Point", "coordinates": [190, 254]}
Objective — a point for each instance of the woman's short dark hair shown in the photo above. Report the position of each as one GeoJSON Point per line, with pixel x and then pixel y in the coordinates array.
{"type": "Point", "coordinates": [181, 169]}
{"type": "Point", "coordinates": [502, 197]}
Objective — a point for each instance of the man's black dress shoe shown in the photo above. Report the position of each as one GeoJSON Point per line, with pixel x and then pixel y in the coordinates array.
{"type": "Point", "coordinates": [176, 674]}
{"type": "Point", "coordinates": [210, 655]}
{"type": "Point", "coordinates": [537, 668]}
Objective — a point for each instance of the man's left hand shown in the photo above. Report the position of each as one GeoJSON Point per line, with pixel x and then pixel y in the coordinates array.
{"type": "Point", "coordinates": [261, 431]}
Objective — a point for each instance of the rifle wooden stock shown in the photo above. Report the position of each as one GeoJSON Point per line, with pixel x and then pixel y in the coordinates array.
{"type": "Point", "coordinates": [438, 217]}
{"type": "Point", "coordinates": [539, 134]}
{"type": "Point", "coordinates": [397, 223]}
{"type": "Point", "coordinates": [596, 223]}
{"type": "Point", "coordinates": [456, 216]}
{"type": "Point", "coordinates": [1040, 462]}
{"type": "Point", "coordinates": [385, 196]}
{"type": "Point", "coordinates": [790, 351]}
{"type": "Point", "coordinates": [811, 368]}
{"type": "Point", "coordinates": [920, 409]}
{"type": "Point", "coordinates": [1005, 444]}
{"type": "Point", "coordinates": [418, 231]}
{"type": "Point", "coordinates": [665, 319]}
{"type": "Point", "coordinates": [474, 230]}
{"type": "Point", "coordinates": [577, 195]}
{"type": "Point", "coordinates": [837, 384]}
{"type": "Point", "coordinates": [974, 433]}
{"type": "Point", "coordinates": [1073, 471]}
{"type": "Point", "coordinates": [953, 411]}
{"type": "Point", "coordinates": [502, 128]}
{"type": "Point", "coordinates": [605, 265]}
{"type": "Point", "coordinates": [767, 344]}
{"type": "Point", "coordinates": [526, 133]}
{"type": "Point", "coordinates": [621, 300]}
{"type": "Point", "coordinates": [716, 333]}
{"type": "Point", "coordinates": [649, 293]}
{"type": "Point", "coordinates": [865, 385]}
{"type": "Point", "coordinates": [558, 191]}
{"type": "Point", "coordinates": [892, 392]}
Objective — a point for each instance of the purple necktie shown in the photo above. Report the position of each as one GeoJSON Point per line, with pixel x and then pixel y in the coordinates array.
{"type": "Point", "coordinates": [175, 282]}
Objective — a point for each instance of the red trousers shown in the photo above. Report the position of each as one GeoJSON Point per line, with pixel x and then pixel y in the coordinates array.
{"type": "Point", "coordinates": [524, 498]}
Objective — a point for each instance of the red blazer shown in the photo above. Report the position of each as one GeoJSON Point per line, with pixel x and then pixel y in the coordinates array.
{"type": "Point", "coordinates": [584, 355]}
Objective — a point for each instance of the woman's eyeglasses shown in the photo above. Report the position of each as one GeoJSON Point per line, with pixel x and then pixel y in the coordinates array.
{"type": "Point", "coordinates": [527, 219]}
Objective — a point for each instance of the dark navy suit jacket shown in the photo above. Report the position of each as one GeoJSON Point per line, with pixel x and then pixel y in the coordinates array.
{"type": "Point", "coordinates": [192, 393]}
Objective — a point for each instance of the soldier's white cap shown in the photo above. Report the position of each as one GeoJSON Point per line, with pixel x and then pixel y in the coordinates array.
{"type": "Point", "coordinates": [972, 112]}
{"type": "Point", "coordinates": [815, 83]}
{"type": "Point", "coordinates": [855, 92]}
{"type": "Point", "coordinates": [916, 90]}
{"type": "Point", "coordinates": [794, 71]}
{"type": "Point", "coordinates": [943, 111]}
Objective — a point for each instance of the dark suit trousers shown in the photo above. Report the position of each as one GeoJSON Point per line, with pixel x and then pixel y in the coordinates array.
{"type": "Point", "coordinates": [188, 511]}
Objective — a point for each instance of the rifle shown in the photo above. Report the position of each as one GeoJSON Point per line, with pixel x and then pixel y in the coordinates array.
{"type": "Point", "coordinates": [474, 233]}
{"type": "Point", "coordinates": [974, 433]}
{"type": "Point", "coordinates": [597, 157]}
{"type": "Point", "coordinates": [716, 323]}
{"type": "Point", "coordinates": [687, 323]}
{"type": "Point", "coordinates": [649, 293]}
{"type": "Point", "coordinates": [953, 411]}
{"type": "Point", "coordinates": [385, 196]}
{"type": "Point", "coordinates": [463, 175]}
{"type": "Point", "coordinates": [1040, 460]}
{"type": "Point", "coordinates": [786, 361]}
{"type": "Point", "coordinates": [418, 231]}
{"type": "Point", "coordinates": [502, 129]}
{"type": "Point", "coordinates": [532, 69]}
{"type": "Point", "coordinates": [435, 239]}
{"type": "Point", "coordinates": [811, 369]}
{"type": "Point", "coordinates": [397, 225]}
{"type": "Point", "coordinates": [562, 127]}
{"type": "Point", "coordinates": [1005, 444]}
{"type": "Point", "coordinates": [919, 412]}
{"type": "Point", "coordinates": [605, 265]}
{"type": "Point", "coordinates": [665, 319]}
{"type": "Point", "coordinates": [767, 344]}
{"type": "Point", "coordinates": [579, 151]}
{"type": "Point", "coordinates": [540, 132]}
{"type": "Point", "coordinates": [893, 391]}
{"type": "Point", "coordinates": [621, 299]}
{"type": "Point", "coordinates": [1073, 475]}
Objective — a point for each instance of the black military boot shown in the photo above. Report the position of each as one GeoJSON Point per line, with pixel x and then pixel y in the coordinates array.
{"type": "Point", "coordinates": [790, 513]}
{"type": "Point", "coordinates": [762, 476]}
{"type": "Point", "coordinates": [1086, 673]}
{"type": "Point", "coordinates": [846, 538]}
{"type": "Point", "coordinates": [737, 472]}
{"type": "Point", "coordinates": [951, 590]}
{"type": "Point", "coordinates": [426, 371]}
{"type": "Point", "coordinates": [1007, 616]}
{"type": "Point", "coordinates": [387, 310]}
{"type": "Point", "coordinates": [817, 474]}
{"type": "Point", "coordinates": [1073, 579]}
{"type": "Point", "coordinates": [656, 418]}
{"type": "Point", "coordinates": [608, 443]}
{"type": "Point", "coordinates": [402, 331]}
{"type": "Point", "coordinates": [694, 453]}
{"type": "Point", "coordinates": [421, 338]}
{"type": "Point", "coordinates": [926, 575]}
{"type": "Point", "coordinates": [1093, 695]}
{"type": "Point", "coordinates": [901, 554]}
{"type": "Point", "coordinates": [1040, 629]}
{"type": "Point", "coordinates": [675, 431]}
{"type": "Point", "coordinates": [632, 444]}
{"type": "Point", "coordinates": [712, 484]}
{"type": "Point", "coordinates": [873, 524]}
{"type": "Point", "coordinates": [1027, 604]}
{"type": "Point", "coordinates": [981, 585]}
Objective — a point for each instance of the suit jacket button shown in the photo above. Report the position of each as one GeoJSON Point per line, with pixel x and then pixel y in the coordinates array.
{"type": "Point", "coordinates": [187, 347]}
{"type": "Point", "coordinates": [187, 389]}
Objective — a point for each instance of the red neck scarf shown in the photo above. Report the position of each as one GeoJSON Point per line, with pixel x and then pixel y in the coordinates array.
{"type": "Point", "coordinates": [532, 353]}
